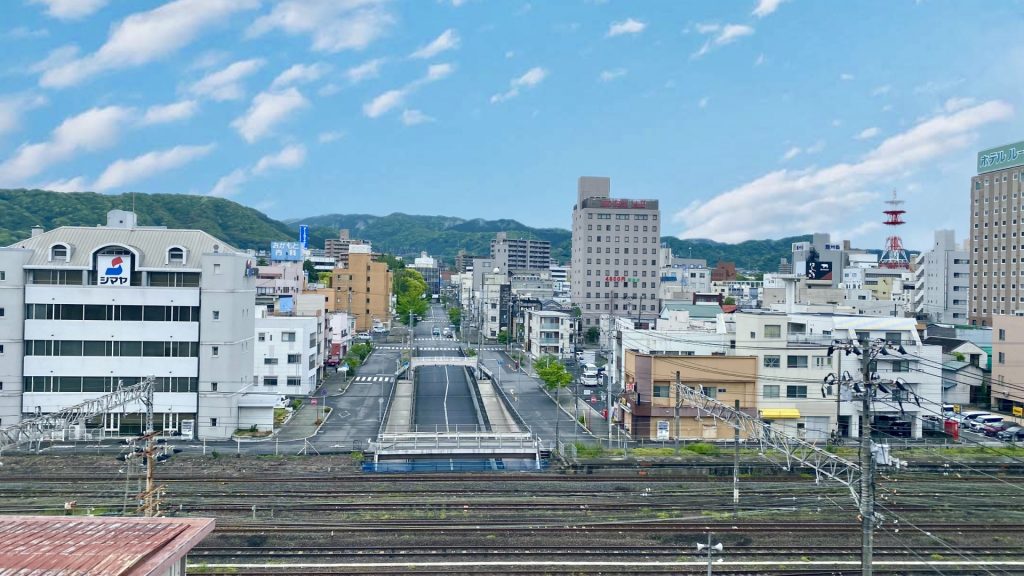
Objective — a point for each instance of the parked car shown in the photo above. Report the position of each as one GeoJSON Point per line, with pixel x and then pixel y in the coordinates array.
{"type": "Point", "coordinates": [1012, 433]}
{"type": "Point", "coordinates": [994, 429]}
{"type": "Point", "coordinates": [979, 423]}
{"type": "Point", "coordinates": [363, 336]}
{"type": "Point", "coordinates": [966, 418]}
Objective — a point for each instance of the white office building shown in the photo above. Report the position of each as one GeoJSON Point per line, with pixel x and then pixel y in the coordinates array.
{"type": "Point", "coordinates": [84, 309]}
{"type": "Point", "coordinates": [941, 281]}
{"type": "Point", "coordinates": [288, 353]}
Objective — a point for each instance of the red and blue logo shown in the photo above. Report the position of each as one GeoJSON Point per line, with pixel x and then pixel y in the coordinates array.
{"type": "Point", "coordinates": [115, 268]}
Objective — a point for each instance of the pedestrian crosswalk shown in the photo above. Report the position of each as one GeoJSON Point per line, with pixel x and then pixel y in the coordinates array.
{"type": "Point", "coordinates": [373, 379]}
{"type": "Point", "coordinates": [437, 349]}
{"type": "Point", "coordinates": [449, 348]}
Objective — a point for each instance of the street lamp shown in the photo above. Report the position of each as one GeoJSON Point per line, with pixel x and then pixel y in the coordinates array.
{"type": "Point", "coordinates": [716, 548]}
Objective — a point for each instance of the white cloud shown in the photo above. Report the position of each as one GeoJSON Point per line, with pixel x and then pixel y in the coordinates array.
{"type": "Point", "coordinates": [146, 36]}
{"type": "Point", "coordinates": [791, 153]}
{"type": "Point", "coordinates": [609, 75]}
{"type": "Point", "coordinates": [333, 25]}
{"type": "Point", "coordinates": [76, 184]}
{"type": "Point", "coordinates": [267, 110]}
{"type": "Point", "coordinates": [881, 90]}
{"type": "Point", "coordinates": [384, 102]}
{"type": "Point", "coordinates": [94, 129]}
{"type": "Point", "coordinates": [760, 60]}
{"type": "Point", "coordinates": [300, 74]}
{"type": "Point", "coordinates": [170, 112]}
{"type": "Point", "coordinates": [327, 137]}
{"type": "Point", "coordinates": [289, 157]}
{"type": "Point", "coordinates": [703, 102]}
{"type": "Point", "coordinates": [366, 70]}
{"type": "Point", "coordinates": [226, 84]}
{"type": "Point", "coordinates": [13, 108]}
{"type": "Point", "coordinates": [509, 54]}
{"type": "Point", "coordinates": [954, 104]}
{"type": "Point", "coordinates": [448, 40]}
{"type": "Point", "coordinates": [392, 99]}
{"type": "Point", "coordinates": [531, 78]}
{"type": "Point", "coordinates": [846, 76]}
{"type": "Point", "coordinates": [816, 147]}
{"type": "Point", "coordinates": [837, 123]}
{"type": "Point", "coordinates": [26, 33]}
{"type": "Point", "coordinates": [229, 184]}
{"type": "Point", "coordinates": [766, 7]}
{"type": "Point", "coordinates": [71, 9]}
{"type": "Point", "coordinates": [786, 202]}
{"type": "Point", "coordinates": [627, 26]}
{"type": "Point", "coordinates": [867, 133]}
{"type": "Point", "coordinates": [414, 117]}
{"type": "Point", "coordinates": [127, 171]}
{"type": "Point", "coordinates": [723, 35]}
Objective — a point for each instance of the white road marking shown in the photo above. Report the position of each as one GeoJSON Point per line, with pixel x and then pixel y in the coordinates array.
{"type": "Point", "coordinates": [614, 563]}
{"type": "Point", "coordinates": [446, 399]}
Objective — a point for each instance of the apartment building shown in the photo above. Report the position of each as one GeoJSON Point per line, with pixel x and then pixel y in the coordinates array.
{"type": "Point", "coordinates": [548, 332]}
{"type": "Point", "coordinates": [649, 402]}
{"type": "Point", "coordinates": [520, 254]}
{"type": "Point", "coordinates": [941, 280]}
{"type": "Point", "coordinates": [85, 309]}
{"type": "Point", "coordinates": [1008, 364]}
{"type": "Point", "coordinates": [615, 246]}
{"type": "Point", "coordinates": [793, 361]}
{"type": "Point", "coordinates": [338, 248]}
{"type": "Point", "coordinates": [997, 234]}
{"type": "Point", "coordinates": [362, 290]}
{"type": "Point", "coordinates": [289, 353]}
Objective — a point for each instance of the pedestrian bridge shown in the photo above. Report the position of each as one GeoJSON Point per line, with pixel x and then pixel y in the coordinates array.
{"type": "Point", "coordinates": [418, 361]}
{"type": "Point", "coordinates": [460, 445]}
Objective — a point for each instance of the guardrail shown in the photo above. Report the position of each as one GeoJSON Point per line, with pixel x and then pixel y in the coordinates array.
{"type": "Point", "coordinates": [478, 400]}
{"type": "Point", "coordinates": [508, 403]}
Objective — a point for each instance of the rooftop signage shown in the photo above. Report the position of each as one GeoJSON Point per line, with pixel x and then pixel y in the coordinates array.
{"type": "Point", "coordinates": [1001, 157]}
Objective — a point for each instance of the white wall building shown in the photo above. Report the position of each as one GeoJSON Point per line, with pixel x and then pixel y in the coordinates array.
{"type": "Point", "coordinates": [942, 279]}
{"type": "Point", "coordinates": [287, 358]}
{"type": "Point", "coordinates": [84, 308]}
{"type": "Point", "coordinates": [548, 332]}
{"type": "Point", "coordinates": [793, 362]}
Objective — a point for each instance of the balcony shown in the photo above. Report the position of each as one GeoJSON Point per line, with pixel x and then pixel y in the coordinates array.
{"type": "Point", "coordinates": [809, 340]}
{"type": "Point", "coordinates": [549, 341]}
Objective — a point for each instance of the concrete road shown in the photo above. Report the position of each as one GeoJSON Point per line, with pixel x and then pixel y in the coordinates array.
{"type": "Point", "coordinates": [443, 400]}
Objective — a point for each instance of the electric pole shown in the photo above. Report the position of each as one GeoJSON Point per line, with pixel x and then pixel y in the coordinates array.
{"type": "Point", "coordinates": [867, 477]}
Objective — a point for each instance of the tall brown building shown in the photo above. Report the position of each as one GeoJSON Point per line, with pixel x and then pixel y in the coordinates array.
{"type": "Point", "coordinates": [363, 289]}
{"type": "Point", "coordinates": [338, 248]}
{"type": "Point", "coordinates": [997, 234]}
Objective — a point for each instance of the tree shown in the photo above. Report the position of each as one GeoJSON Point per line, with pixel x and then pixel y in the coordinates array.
{"type": "Point", "coordinates": [310, 270]}
{"type": "Point", "coordinates": [409, 289]}
{"type": "Point", "coordinates": [729, 300]}
{"type": "Point", "coordinates": [592, 334]}
{"type": "Point", "coordinates": [503, 337]}
{"type": "Point", "coordinates": [324, 278]}
{"type": "Point", "coordinates": [455, 316]}
{"type": "Point", "coordinates": [555, 377]}
{"type": "Point", "coordinates": [262, 261]}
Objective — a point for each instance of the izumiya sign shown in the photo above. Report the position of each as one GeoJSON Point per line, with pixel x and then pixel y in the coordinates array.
{"type": "Point", "coordinates": [1001, 157]}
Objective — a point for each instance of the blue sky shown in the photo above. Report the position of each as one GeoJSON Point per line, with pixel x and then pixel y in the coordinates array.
{"type": "Point", "coordinates": [746, 119]}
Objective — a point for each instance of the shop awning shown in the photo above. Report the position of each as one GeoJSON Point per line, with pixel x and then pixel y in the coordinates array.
{"type": "Point", "coordinates": [780, 414]}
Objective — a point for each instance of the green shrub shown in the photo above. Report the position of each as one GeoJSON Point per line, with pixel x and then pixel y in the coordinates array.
{"type": "Point", "coordinates": [703, 449]}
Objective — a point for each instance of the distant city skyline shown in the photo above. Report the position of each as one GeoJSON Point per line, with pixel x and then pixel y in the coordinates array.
{"type": "Point", "coordinates": [745, 120]}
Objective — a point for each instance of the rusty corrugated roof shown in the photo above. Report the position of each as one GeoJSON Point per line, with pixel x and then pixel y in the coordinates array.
{"type": "Point", "coordinates": [80, 546]}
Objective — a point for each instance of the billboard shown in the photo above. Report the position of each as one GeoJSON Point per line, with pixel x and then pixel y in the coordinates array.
{"type": "Point", "coordinates": [113, 270]}
{"type": "Point", "coordinates": [285, 252]}
{"type": "Point", "coordinates": [815, 269]}
{"type": "Point", "coordinates": [1001, 157]}
{"type": "Point", "coordinates": [304, 236]}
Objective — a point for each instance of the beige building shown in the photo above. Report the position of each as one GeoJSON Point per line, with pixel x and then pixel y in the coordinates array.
{"type": "Point", "coordinates": [615, 244]}
{"type": "Point", "coordinates": [363, 289]}
{"type": "Point", "coordinates": [337, 248]}
{"type": "Point", "coordinates": [650, 397]}
{"type": "Point", "coordinates": [1008, 363]}
{"type": "Point", "coordinates": [997, 225]}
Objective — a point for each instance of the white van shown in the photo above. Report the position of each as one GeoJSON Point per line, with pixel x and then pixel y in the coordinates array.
{"type": "Point", "coordinates": [979, 423]}
{"type": "Point", "coordinates": [966, 418]}
{"type": "Point", "coordinates": [589, 376]}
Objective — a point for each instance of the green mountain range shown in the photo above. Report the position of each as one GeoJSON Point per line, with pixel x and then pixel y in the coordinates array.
{"type": "Point", "coordinates": [401, 234]}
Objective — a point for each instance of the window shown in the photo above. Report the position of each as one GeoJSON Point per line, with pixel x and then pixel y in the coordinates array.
{"type": "Point", "coordinates": [294, 358]}
{"type": "Point", "coordinates": [216, 269]}
{"type": "Point", "coordinates": [1, 312]}
{"type": "Point", "coordinates": [294, 381]}
{"type": "Point", "coordinates": [59, 252]}
{"type": "Point", "coordinates": [661, 391]}
{"type": "Point", "coordinates": [312, 361]}
{"type": "Point", "coordinates": [1002, 358]}
{"type": "Point", "coordinates": [772, 362]}
{"type": "Point", "coordinates": [270, 380]}
{"type": "Point", "coordinates": [213, 386]}
{"type": "Point", "coordinates": [262, 336]}
{"type": "Point", "coordinates": [796, 361]}
{"type": "Point", "coordinates": [176, 255]}
{"type": "Point", "coordinates": [213, 422]}
{"type": "Point", "coordinates": [3, 275]}
{"type": "Point", "coordinates": [1002, 334]}
{"type": "Point", "coordinates": [269, 361]}
{"type": "Point", "coordinates": [216, 314]}
{"type": "Point", "coordinates": [796, 391]}
{"type": "Point", "coordinates": [822, 361]}
{"type": "Point", "coordinates": [710, 391]}
{"type": "Point", "coordinates": [215, 351]}
{"type": "Point", "coordinates": [288, 337]}
{"type": "Point", "coordinates": [901, 366]}
{"type": "Point", "coordinates": [894, 337]}
{"type": "Point", "coordinates": [771, 391]}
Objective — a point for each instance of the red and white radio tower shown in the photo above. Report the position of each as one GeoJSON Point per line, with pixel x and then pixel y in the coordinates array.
{"type": "Point", "coordinates": [894, 256]}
